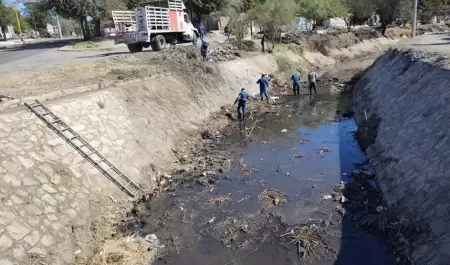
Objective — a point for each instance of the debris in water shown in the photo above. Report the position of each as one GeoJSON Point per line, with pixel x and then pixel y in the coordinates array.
{"type": "Point", "coordinates": [379, 209]}
{"type": "Point", "coordinates": [276, 196]}
{"type": "Point", "coordinates": [284, 130]}
{"type": "Point", "coordinates": [247, 169]}
{"type": "Point", "coordinates": [296, 155]}
{"type": "Point", "coordinates": [309, 237]}
{"type": "Point", "coordinates": [326, 197]}
{"type": "Point", "coordinates": [344, 174]}
{"type": "Point", "coordinates": [340, 209]}
{"type": "Point", "coordinates": [211, 220]}
{"type": "Point", "coordinates": [288, 174]}
{"type": "Point", "coordinates": [343, 199]}
{"type": "Point", "coordinates": [219, 200]}
{"type": "Point", "coordinates": [152, 238]}
{"type": "Point", "coordinates": [324, 150]}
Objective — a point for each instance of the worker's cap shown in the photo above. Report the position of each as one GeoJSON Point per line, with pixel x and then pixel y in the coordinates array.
{"type": "Point", "coordinates": [242, 89]}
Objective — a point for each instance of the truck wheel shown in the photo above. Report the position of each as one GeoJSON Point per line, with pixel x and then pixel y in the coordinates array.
{"type": "Point", "coordinates": [134, 47]}
{"type": "Point", "coordinates": [194, 39]}
{"type": "Point", "coordinates": [159, 43]}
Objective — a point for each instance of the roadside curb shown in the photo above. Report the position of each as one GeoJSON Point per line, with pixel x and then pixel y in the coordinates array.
{"type": "Point", "coordinates": [13, 103]}
{"type": "Point", "coordinates": [67, 49]}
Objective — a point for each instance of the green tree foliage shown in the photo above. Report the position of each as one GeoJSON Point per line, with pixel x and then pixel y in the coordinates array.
{"type": "Point", "coordinates": [359, 10]}
{"type": "Point", "coordinates": [318, 10]}
{"type": "Point", "coordinates": [273, 15]}
{"type": "Point", "coordinates": [37, 16]}
{"type": "Point", "coordinates": [7, 17]}
{"type": "Point", "coordinates": [389, 10]}
{"type": "Point", "coordinates": [436, 7]}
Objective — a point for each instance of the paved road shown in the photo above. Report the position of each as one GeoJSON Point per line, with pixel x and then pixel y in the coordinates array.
{"type": "Point", "coordinates": [45, 54]}
{"type": "Point", "coordinates": [435, 43]}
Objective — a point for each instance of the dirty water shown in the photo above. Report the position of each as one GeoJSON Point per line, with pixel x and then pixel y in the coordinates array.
{"type": "Point", "coordinates": [303, 153]}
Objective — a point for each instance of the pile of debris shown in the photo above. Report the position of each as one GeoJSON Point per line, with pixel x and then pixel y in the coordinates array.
{"type": "Point", "coordinates": [223, 52]}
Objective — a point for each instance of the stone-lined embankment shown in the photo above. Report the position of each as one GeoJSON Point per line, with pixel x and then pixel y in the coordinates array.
{"type": "Point", "coordinates": [402, 110]}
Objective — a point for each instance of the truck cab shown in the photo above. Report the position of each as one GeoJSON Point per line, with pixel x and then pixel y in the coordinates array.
{"type": "Point", "coordinates": [158, 23]}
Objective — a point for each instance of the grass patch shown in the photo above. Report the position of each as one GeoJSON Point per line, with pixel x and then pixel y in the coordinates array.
{"type": "Point", "coordinates": [86, 45]}
{"type": "Point", "coordinates": [286, 67]}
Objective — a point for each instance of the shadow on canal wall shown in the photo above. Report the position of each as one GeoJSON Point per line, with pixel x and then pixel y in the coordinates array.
{"type": "Point", "coordinates": [401, 108]}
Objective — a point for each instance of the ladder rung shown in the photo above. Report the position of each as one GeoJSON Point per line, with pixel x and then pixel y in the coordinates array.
{"type": "Point", "coordinates": [65, 129]}
{"type": "Point", "coordinates": [73, 138]}
{"type": "Point", "coordinates": [55, 121]}
{"type": "Point", "coordinates": [47, 113]}
{"type": "Point", "coordinates": [101, 160]}
{"type": "Point", "coordinates": [34, 106]}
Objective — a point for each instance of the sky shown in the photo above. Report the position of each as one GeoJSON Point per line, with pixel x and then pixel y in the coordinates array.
{"type": "Point", "coordinates": [19, 6]}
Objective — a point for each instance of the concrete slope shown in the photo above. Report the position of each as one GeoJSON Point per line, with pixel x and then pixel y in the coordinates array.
{"type": "Point", "coordinates": [403, 116]}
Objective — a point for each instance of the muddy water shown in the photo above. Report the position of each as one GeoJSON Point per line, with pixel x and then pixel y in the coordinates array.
{"type": "Point", "coordinates": [228, 223]}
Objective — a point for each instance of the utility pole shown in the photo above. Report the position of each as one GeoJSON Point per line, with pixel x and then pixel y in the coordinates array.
{"type": "Point", "coordinates": [18, 23]}
{"type": "Point", "coordinates": [34, 21]}
{"type": "Point", "coordinates": [59, 25]}
{"type": "Point", "coordinates": [414, 25]}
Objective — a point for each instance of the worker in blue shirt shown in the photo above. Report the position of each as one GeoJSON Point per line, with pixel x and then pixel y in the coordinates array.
{"type": "Point", "coordinates": [204, 49]}
{"type": "Point", "coordinates": [263, 87]}
{"type": "Point", "coordinates": [242, 101]}
{"type": "Point", "coordinates": [201, 30]}
{"type": "Point", "coordinates": [296, 80]}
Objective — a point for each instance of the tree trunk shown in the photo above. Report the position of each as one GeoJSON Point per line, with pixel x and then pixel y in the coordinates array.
{"type": "Point", "coordinates": [383, 28]}
{"type": "Point", "coordinates": [98, 28]}
{"type": "Point", "coordinates": [86, 28]}
{"type": "Point", "coordinates": [83, 30]}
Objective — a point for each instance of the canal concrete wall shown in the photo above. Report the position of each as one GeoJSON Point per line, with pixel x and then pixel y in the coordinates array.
{"type": "Point", "coordinates": [403, 115]}
{"type": "Point", "coordinates": [54, 202]}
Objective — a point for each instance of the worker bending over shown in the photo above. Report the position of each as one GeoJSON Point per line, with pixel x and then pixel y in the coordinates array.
{"type": "Point", "coordinates": [204, 49]}
{"type": "Point", "coordinates": [242, 101]}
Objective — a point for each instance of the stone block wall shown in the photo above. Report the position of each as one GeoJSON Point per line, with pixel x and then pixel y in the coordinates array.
{"type": "Point", "coordinates": [402, 108]}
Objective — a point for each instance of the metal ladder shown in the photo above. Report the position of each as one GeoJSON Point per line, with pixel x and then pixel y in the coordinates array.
{"type": "Point", "coordinates": [84, 148]}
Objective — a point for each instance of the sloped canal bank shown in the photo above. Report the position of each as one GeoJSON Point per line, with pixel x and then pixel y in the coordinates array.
{"type": "Point", "coordinates": [266, 192]}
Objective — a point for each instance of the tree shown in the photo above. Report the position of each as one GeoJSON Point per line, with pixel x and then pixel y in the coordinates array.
{"type": "Point", "coordinates": [360, 10]}
{"type": "Point", "coordinates": [205, 7]}
{"type": "Point", "coordinates": [6, 18]}
{"type": "Point", "coordinates": [78, 10]}
{"type": "Point", "coordinates": [273, 15]}
{"type": "Point", "coordinates": [434, 7]}
{"type": "Point", "coordinates": [319, 10]}
{"type": "Point", "coordinates": [389, 10]}
{"type": "Point", "coordinates": [37, 16]}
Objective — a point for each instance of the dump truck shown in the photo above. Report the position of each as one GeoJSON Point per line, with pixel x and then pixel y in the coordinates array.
{"type": "Point", "coordinates": [157, 23]}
